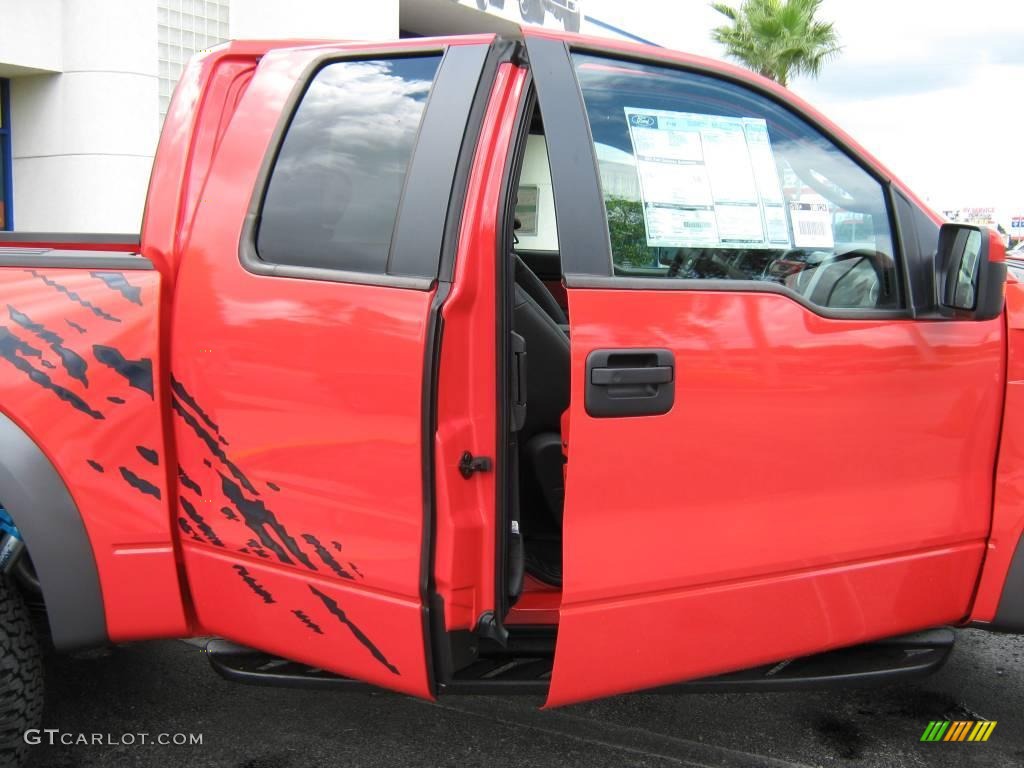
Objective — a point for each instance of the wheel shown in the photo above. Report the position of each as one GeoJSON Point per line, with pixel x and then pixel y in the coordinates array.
{"type": "Point", "coordinates": [21, 676]}
{"type": "Point", "coordinates": [571, 21]}
{"type": "Point", "coordinates": [532, 11]}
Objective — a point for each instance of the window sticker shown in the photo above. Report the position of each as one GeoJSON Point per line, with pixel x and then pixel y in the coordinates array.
{"type": "Point", "coordinates": [812, 222]}
{"type": "Point", "coordinates": [707, 180]}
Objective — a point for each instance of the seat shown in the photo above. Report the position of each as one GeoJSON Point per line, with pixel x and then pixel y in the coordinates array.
{"type": "Point", "coordinates": [540, 443]}
{"type": "Point", "coordinates": [527, 279]}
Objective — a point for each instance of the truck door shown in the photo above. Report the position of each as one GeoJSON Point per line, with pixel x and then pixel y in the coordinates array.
{"type": "Point", "coordinates": [302, 329]}
{"type": "Point", "coordinates": [771, 450]}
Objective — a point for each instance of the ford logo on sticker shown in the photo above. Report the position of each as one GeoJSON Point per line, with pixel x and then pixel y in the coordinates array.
{"type": "Point", "coordinates": [643, 121]}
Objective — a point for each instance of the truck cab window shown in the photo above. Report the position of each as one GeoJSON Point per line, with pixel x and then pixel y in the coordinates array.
{"type": "Point", "coordinates": [707, 180]}
{"type": "Point", "coordinates": [333, 196]}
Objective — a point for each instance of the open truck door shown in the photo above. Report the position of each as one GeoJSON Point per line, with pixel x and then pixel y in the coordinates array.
{"type": "Point", "coordinates": [304, 322]}
{"type": "Point", "coordinates": [775, 447]}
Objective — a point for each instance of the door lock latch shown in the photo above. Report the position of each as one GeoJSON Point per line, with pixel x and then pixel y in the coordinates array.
{"type": "Point", "coordinates": [469, 464]}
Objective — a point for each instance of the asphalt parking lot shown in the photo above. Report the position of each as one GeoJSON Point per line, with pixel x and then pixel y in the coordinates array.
{"type": "Point", "coordinates": [167, 687]}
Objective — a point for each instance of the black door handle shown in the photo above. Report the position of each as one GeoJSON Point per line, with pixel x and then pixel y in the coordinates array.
{"type": "Point", "coordinates": [630, 382]}
{"type": "Point", "coordinates": [605, 377]}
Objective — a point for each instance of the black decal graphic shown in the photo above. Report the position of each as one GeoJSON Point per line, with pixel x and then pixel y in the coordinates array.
{"type": "Point", "coordinates": [74, 296]}
{"type": "Point", "coordinates": [339, 614]}
{"type": "Point", "coordinates": [11, 345]}
{"type": "Point", "coordinates": [212, 444]}
{"type": "Point", "coordinates": [138, 483]}
{"type": "Point", "coordinates": [74, 325]}
{"type": "Point", "coordinates": [187, 529]}
{"type": "Point", "coordinates": [208, 463]}
{"type": "Point", "coordinates": [139, 373]}
{"type": "Point", "coordinates": [148, 454]}
{"type": "Point", "coordinates": [186, 397]}
{"type": "Point", "coordinates": [257, 549]}
{"type": "Point", "coordinates": [117, 400]}
{"type": "Point", "coordinates": [259, 519]}
{"type": "Point", "coordinates": [117, 282]}
{"type": "Point", "coordinates": [253, 584]}
{"type": "Point", "coordinates": [355, 570]}
{"type": "Point", "coordinates": [95, 465]}
{"type": "Point", "coordinates": [325, 555]}
{"type": "Point", "coordinates": [229, 513]}
{"type": "Point", "coordinates": [73, 363]}
{"type": "Point", "coordinates": [201, 524]}
{"type": "Point", "coordinates": [189, 483]}
{"type": "Point", "coordinates": [308, 622]}
{"type": "Point", "coordinates": [47, 364]}
{"type": "Point", "coordinates": [273, 486]}
{"type": "Point", "coordinates": [336, 545]}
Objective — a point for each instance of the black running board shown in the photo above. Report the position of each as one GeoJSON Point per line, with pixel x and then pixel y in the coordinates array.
{"type": "Point", "coordinates": [525, 667]}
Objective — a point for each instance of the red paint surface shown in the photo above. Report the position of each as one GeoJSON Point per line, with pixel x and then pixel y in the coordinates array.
{"type": "Point", "coordinates": [129, 531]}
{"type": "Point", "coordinates": [464, 565]}
{"type": "Point", "coordinates": [817, 483]}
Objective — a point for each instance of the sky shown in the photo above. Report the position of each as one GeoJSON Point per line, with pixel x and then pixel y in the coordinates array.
{"type": "Point", "coordinates": [937, 95]}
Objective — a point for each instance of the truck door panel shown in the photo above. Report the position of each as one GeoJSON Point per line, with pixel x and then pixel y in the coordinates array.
{"type": "Point", "coordinates": [823, 476]}
{"type": "Point", "coordinates": [299, 355]}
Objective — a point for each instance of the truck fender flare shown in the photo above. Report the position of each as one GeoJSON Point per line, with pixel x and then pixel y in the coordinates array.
{"type": "Point", "coordinates": [37, 499]}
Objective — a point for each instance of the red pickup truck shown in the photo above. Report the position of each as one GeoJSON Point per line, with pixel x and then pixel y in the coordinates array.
{"type": "Point", "coordinates": [479, 364]}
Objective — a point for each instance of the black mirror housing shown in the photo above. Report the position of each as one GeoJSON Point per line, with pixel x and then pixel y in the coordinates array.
{"type": "Point", "coordinates": [970, 272]}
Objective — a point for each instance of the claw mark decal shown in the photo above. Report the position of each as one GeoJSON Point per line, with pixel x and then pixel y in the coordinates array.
{"type": "Point", "coordinates": [47, 364]}
{"type": "Point", "coordinates": [148, 454]}
{"type": "Point", "coordinates": [138, 372]}
{"type": "Point", "coordinates": [336, 545]}
{"type": "Point", "coordinates": [74, 325]}
{"type": "Point", "coordinates": [260, 519]}
{"type": "Point", "coordinates": [253, 584]}
{"type": "Point", "coordinates": [257, 549]}
{"type": "Point", "coordinates": [228, 513]}
{"type": "Point", "coordinates": [95, 465]}
{"type": "Point", "coordinates": [308, 622]}
{"type": "Point", "coordinates": [116, 400]}
{"type": "Point", "coordinates": [355, 570]}
{"type": "Point", "coordinates": [11, 346]}
{"type": "Point", "coordinates": [73, 363]}
{"type": "Point", "coordinates": [201, 524]}
{"type": "Point", "coordinates": [187, 399]}
{"type": "Point", "coordinates": [73, 296]}
{"type": "Point", "coordinates": [117, 282]}
{"type": "Point", "coordinates": [187, 529]}
{"type": "Point", "coordinates": [136, 482]}
{"type": "Point", "coordinates": [189, 483]}
{"type": "Point", "coordinates": [273, 486]}
{"type": "Point", "coordinates": [325, 555]}
{"type": "Point", "coordinates": [215, 449]}
{"type": "Point", "coordinates": [336, 611]}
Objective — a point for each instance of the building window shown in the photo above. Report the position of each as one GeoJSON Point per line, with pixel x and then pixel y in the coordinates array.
{"type": "Point", "coordinates": [185, 27]}
{"type": "Point", "coordinates": [6, 195]}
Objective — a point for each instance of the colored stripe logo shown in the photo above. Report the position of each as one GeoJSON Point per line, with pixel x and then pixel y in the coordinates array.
{"type": "Point", "coordinates": [958, 730]}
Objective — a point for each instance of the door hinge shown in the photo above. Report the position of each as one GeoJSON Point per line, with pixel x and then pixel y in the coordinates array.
{"type": "Point", "coordinates": [469, 464]}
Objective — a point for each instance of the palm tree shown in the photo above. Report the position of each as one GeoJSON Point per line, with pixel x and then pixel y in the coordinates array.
{"type": "Point", "coordinates": [777, 38]}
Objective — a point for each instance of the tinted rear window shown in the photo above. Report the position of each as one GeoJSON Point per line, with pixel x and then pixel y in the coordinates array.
{"type": "Point", "coordinates": [333, 196]}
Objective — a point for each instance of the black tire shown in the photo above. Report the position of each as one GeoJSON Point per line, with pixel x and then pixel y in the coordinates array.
{"type": "Point", "coordinates": [21, 676]}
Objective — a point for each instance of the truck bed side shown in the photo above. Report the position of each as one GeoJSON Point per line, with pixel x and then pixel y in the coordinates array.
{"type": "Point", "coordinates": [81, 378]}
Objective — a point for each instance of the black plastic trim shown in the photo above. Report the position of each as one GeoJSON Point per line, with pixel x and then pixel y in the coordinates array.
{"type": "Point", "coordinates": [730, 286]}
{"type": "Point", "coordinates": [433, 170]}
{"type": "Point", "coordinates": [1010, 612]}
{"type": "Point", "coordinates": [579, 207]}
{"type": "Point", "coordinates": [432, 606]}
{"type": "Point", "coordinates": [34, 494]}
{"type": "Point", "coordinates": [71, 238]}
{"type": "Point", "coordinates": [68, 259]}
{"type": "Point", "coordinates": [433, 115]}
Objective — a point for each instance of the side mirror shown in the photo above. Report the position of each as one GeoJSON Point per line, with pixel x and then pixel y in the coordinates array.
{"type": "Point", "coordinates": [970, 272]}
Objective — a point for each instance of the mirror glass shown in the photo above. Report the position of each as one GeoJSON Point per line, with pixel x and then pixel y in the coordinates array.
{"type": "Point", "coordinates": [965, 287]}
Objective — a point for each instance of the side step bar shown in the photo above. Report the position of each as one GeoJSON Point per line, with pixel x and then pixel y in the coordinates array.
{"type": "Point", "coordinates": [525, 667]}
